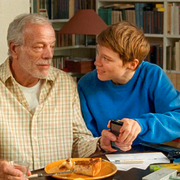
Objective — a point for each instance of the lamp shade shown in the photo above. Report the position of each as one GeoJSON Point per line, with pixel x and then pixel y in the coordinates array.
{"type": "Point", "coordinates": [85, 21]}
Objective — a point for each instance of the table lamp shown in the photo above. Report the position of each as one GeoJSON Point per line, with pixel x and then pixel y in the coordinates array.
{"type": "Point", "coordinates": [86, 22]}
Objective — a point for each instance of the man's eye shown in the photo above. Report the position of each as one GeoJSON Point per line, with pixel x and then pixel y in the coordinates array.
{"type": "Point", "coordinates": [39, 47]}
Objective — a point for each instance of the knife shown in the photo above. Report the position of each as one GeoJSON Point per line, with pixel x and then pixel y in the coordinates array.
{"type": "Point", "coordinates": [50, 174]}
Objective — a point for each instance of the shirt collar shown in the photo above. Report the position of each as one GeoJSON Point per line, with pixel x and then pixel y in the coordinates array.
{"type": "Point", "coordinates": [6, 73]}
{"type": "Point", "coordinates": [5, 70]}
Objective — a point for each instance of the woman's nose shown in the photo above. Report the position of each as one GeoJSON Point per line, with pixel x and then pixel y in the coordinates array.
{"type": "Point", "coordinates": [98, 61]}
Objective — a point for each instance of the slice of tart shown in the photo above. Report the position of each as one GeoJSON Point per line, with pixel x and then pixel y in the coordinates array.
{"type": "Point", "coordinates": [89, 167]}
{"type": "Point", "coordinates": [68, 164]}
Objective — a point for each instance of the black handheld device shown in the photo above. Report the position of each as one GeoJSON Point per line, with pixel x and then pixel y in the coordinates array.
{"type": "Point", "coordinates": [115, 127]}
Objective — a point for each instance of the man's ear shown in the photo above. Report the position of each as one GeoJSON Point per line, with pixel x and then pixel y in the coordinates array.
{"type": "Point", "coordinates": [133, 64]}
{"type": "Point", "coordinates": [13, 49]}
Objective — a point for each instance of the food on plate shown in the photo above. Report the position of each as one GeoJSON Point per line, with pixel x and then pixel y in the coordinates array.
{"type": "Point", "coordinates": [88, 167]}
{"type": "Point", "coordinates": [68, 164]}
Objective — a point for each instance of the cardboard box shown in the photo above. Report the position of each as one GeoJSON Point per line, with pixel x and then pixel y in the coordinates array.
{"type": "Point", "coordinates": [80, 66]}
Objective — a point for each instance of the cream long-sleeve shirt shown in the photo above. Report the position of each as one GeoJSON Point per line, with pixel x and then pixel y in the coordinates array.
{"type": "Point", "coordinates": [55, 131]}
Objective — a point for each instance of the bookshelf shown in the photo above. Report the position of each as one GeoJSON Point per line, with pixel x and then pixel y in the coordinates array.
{"type": "Point", "coordinates": [67, 46]}
{"type": "Point", "coordinates": [163, 40]}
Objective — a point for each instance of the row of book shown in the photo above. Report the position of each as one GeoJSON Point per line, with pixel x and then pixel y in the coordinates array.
{"type": "Point", "coordinates": [85, 4]}
{"type": "Point", "coordinates": [61, 9]}
{"type": "Point", "coordinates": [173, 57]}
{"type": "Point", "coordinates": [153, 22]}
{"type": "Point", "coordinates": [111, 16]}
{"type": "Point", "coordinates": [60, 62]}
{"type": "Point", "coordinates": [173, 19]}
{"type": "Point", "coordinates": [116, 12]}
{"type": "Point", "coordinates": [147, 16]}
{"type": "Point", "coordinates": [63, 40]}
{"type": "Point", "coordinates": [156, 55]}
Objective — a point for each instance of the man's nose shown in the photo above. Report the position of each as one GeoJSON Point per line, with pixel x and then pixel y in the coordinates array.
{"type": "Point", "coordinates": [48, 53]}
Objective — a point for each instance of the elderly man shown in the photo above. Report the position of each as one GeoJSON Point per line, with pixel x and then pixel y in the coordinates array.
{"type": "Point", "coordinates": [41, 120]}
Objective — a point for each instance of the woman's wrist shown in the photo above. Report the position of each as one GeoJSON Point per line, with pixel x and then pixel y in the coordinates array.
{"type": "Point", "coordinates": [99, 146]}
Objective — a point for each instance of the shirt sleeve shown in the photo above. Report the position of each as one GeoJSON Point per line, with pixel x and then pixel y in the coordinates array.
{"type": "Point", "coordinates": [164, 124]}
{"type": "Point", "coordinates": [84, 142]}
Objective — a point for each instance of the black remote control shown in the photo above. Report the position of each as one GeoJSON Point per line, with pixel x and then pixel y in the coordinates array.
{"type": "Point", "coordinates": [173, 155]}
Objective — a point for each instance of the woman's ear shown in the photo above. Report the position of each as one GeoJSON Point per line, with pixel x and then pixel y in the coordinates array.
{"type": "Point", "coordinates": [133, 64]}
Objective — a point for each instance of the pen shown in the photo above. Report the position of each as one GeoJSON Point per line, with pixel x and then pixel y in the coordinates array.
{"type": "Point", "coordinates": [128, 161]}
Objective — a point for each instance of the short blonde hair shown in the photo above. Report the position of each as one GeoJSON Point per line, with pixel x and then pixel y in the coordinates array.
{"type": "Point", "coordinates": [126, 39]}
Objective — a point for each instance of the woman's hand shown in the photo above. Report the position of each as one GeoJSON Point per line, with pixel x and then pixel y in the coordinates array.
{"type": "Point", "coordinates": [128, 133]}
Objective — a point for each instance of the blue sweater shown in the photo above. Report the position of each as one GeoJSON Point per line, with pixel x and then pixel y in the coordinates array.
{"type": "Point", "coordinates": [149, 98]}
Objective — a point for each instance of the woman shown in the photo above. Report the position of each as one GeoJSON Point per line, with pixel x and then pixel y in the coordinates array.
{"type": "Point", "coordinates": [126, 88]}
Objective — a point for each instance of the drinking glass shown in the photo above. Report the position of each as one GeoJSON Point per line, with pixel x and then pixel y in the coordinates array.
{"type": "Point", "coordinates": [23, 166]}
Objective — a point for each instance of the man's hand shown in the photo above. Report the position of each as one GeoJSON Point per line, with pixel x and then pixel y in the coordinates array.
{"type": "Point", "coordinates": [7, 172]}
{"type": "Point", "coordinates": [128, 133]}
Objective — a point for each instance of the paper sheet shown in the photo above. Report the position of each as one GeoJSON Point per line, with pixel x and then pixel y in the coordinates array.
{"type": "Point", "coordinates": [148, 158]}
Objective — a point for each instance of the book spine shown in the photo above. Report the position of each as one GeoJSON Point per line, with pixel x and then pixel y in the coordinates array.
{"type": "Point", "coordinates": [123, 14]}
{"type": "Point", "coordinates": [161, 56]}
{"type": "Point", "coordinates": [109, 16]}
{"type": "Point", "coordinates": [141, 14]}
{"type": "Point", "coordinates": [71, 8]}
{"type": "Point", "coordinates": [169, 18]}
{"type": "Point", "coordinates": [168, 57]}
{"type": "Point", "coordinates": [144, 21]}
{"type": "Point", "coordinates": [155, 22]}
{"type": "Point", "coordinates": [137, 14]}
{"type": "Point", "coordinates": [161, 22]}
{"type": "Point", "coordinates": [151, 28]}
{"type": "Point", "coordinates": [49, 8]}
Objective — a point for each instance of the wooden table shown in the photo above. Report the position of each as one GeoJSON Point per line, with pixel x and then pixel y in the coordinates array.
{"type": "Point", "coordinates": [132, 174]}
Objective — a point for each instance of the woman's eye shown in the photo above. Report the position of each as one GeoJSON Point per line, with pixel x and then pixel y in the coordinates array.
{"type": "Point", "coordinates": [105, 58]}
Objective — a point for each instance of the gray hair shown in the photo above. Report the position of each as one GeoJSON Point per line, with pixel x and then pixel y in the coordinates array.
{"type": "Point", "coordinates": [16, 27]}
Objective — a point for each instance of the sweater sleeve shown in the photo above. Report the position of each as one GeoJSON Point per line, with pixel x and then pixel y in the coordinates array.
{"type": "Point", "coordinates": [164, 124]}
{"type": "Point", "coordinates": [88, 117]}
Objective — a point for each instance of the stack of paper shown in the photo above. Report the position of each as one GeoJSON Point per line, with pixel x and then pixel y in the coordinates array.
{"type": "Point", "coordinates": [125, 161]}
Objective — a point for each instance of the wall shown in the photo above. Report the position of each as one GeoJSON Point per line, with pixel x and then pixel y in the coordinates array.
{"type": "Point", "coordinates": [9, 9]}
